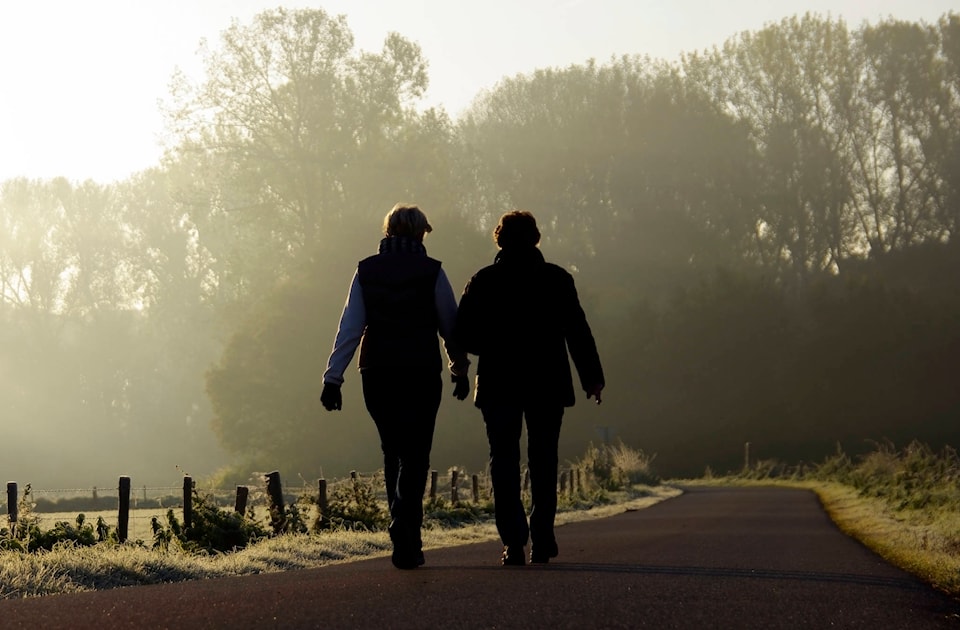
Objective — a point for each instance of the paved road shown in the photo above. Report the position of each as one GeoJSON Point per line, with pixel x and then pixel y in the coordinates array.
{"type": "Point", "coordinates": [711, 558]}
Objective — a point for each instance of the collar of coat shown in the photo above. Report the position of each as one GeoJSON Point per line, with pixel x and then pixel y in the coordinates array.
{"type": "Point", "coordinates": [402, 245]}
{"type": "Point", "coordinates": [519, 256]}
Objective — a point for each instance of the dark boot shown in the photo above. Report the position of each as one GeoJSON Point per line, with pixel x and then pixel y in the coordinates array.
{"type": "Point", "coordinates": [406, 555]}
{"type": "Point", "coordinates": [541, 554]}
{"type": "Point", "coordinates": [512, 556]}
{"type": "Point", "coordinates": [407, 548]}
{"type": "Point", "coordinates": [405, 559]}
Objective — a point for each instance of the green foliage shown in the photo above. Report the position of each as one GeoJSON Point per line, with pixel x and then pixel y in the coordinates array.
{"type": "Point", "coordinates": [27, 535]}
{"type": "Point", "coordinates": [914, 478]}
{"type": "Point", "coordinates": [211, 530]}
{"type": "Point", "coordinates": [618, 466]}
{"type": "Point", "coordinates": [743, 359]}
{"type": "Point", "coordinates": [440, 512]}
{"type": "Point", "coordinates": [289, 519]}
{"type": "Point", "coordinates": [807, 153]}
{"type": "Point", "coordinates": [593, 150]}
{"type": "Point", "coordinates": [265, 389]}
{"type": "Point", "coordinates": [838, 467]}
{"type": "Point", "coordinates": [79, 533]}
{"type": "Point", "coordinates": [353, 506]}
{"type": "Point", "coordinates": [598, 463]}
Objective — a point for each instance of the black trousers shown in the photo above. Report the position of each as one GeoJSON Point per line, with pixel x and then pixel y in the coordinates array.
{"type": "Point", "coordinates": [404, 405]}
{"type": "Point", "coordinates": [504, 428]}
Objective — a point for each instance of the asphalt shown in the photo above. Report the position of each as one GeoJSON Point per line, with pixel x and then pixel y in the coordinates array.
{"type": "Point", "coordinates": [710, 558]}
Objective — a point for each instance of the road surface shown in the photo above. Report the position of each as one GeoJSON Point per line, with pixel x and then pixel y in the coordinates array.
{"type": "Point", "coordinates": [711, 558]}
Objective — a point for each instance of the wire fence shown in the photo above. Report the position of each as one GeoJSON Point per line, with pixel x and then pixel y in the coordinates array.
{"type": "Point", "coordinates": [137, 510]}
{"type": "Point", "coordinates": [133, 510]}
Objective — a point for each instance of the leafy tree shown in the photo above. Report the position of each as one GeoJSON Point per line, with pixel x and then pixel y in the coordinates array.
{"type": "Point", "coordinates": [949, 162]}
{"type": "Point", "coordinates": [907, 87]}
{"type": "Point", "coordinates": [63, 284]}
{"type": "Point", "coordinates": [856, 131]}
{"type": "Point", "coordinates": [300, 146]}
{"type": "Point", "coordinates": [95, 354]}
{"type": "Point", "coordinates": [292, 123]}
{"type": "Point", "coordinates": [794, 85]}
{"type": "Point", "coordinates": [265, 388]}
{"type": "Point", "coordinates": [627, 170]}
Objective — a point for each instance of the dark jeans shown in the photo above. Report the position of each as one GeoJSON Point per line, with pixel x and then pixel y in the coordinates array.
{"type": "Point", "coordinates": [504, 427]}
{"type": "Point", "coordinates": [404, 405]}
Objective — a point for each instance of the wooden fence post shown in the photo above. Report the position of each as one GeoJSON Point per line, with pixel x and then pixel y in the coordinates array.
{"type": "Point", "coordinates": [275, 490]}
{"type": "Point", "coordinates": [476, 488]}
{"type": "Point", "coordinates": [187, 501]}
{"type": "Point", "coordinates": [322, 498]}
{"type": "Point", "coordinates": [240, 507]}
{"type": "Point", "coordinates": [526, 479]}
{"type": "Point", "coordinates": [123, 518]}
{"type": "Point", "coordinates": [12, 507]}
{"type": "Point", "coordinates": [746, 456]}
{"type": "Point", "coordinates": [453, 485]}
{"type": "Point", "coordinates": [433, 485]}
{"type": "Point", "coordinates": [563, 481]}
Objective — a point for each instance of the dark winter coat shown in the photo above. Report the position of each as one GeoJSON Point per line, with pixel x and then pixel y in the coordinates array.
{"type": "Point", "coordinates": [520, 315]}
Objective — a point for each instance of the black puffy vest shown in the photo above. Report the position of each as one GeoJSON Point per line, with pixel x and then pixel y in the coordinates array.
{"type": "Point", "coordinates": [399, 298]}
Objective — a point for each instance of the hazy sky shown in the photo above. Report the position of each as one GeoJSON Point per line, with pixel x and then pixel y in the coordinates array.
{"type": "Point", "coordinates": [81, 78]}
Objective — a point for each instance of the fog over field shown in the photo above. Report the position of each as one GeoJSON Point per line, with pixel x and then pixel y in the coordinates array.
{"type": "Point", "coordinates": [760, 207]}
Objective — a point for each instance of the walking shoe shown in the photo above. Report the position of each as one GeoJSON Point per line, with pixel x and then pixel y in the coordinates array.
{"type": "Point", "coordinates": [405, 561]}
{"type": "Point", "coordinates": [541, 554]}
{"type": "Point", "coordinates": [512, 557]}
{"type": "Point", "coordinates": [406, 558]}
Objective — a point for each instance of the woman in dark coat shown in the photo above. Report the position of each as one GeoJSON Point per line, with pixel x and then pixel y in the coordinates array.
{"type": "Point", "coordinates": [520, 316]}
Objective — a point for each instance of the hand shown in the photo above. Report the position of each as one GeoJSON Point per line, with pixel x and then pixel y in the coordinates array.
{"type": "Point", "coordinates": [331, 397]}
{"type": "Point", "coordinates": [461, 386]}
{"type": "Point", "coordinates": [594, 391]}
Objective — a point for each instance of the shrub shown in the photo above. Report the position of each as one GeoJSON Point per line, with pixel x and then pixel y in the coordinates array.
{"type": "Point", "coordinates": [211, 529]}
{"type": "Point", "coordinates": [635, 465]}
{"type": "Point", "coordinates": [27, 535]}
{"type": "Point", "coordinates": [442, 513]}
{"type": "Point", "coordinates": [353, 506]}
{"type": "Point", "coordinates": [614, 467]}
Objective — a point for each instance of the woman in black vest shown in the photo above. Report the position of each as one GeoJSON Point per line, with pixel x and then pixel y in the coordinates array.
{"type": "Point", "coordinates": [399, 300]}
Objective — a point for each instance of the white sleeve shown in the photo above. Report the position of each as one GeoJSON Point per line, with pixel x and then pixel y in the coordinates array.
{"type": "Point", "coordinates": [353, 322]}
{"type": "Point", "coordinates": [446, 303]}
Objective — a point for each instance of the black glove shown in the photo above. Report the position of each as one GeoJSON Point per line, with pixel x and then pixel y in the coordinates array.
{"type": "Point", "coordinates": [331, 397]}
{"type": "Point", "coordinates": [461, 386]}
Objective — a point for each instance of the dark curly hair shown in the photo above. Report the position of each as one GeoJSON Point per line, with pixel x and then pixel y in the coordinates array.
{"type": "Point", "coordinates": [516, 229]}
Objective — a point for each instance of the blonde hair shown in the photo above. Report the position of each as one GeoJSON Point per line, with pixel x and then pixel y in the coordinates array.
{"type": "Point", "coordinates": [406, 220]}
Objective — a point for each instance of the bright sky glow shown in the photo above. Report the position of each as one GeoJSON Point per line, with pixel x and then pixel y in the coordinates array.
{"type": "Point", "coordinates": [82, 80]}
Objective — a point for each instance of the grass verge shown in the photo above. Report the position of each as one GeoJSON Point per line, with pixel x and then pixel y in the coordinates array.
{"type": "Point", "coordinates": [922, 542]}
{"type": "Point", "coordinates": [70, 569]}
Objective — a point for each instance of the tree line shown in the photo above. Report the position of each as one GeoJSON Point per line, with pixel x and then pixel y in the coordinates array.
{"type": "Point", "coordinates": [763, 235]}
